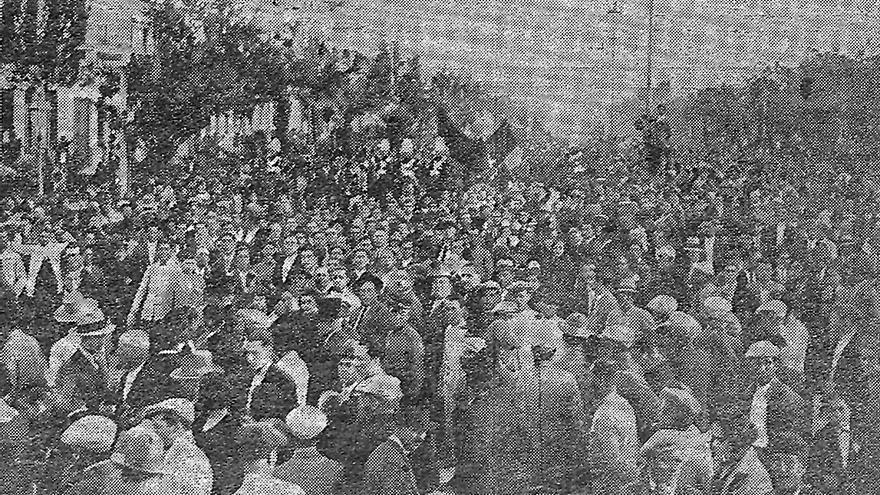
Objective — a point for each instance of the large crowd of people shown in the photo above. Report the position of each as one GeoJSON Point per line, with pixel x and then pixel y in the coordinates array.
{"type": "Point", "coordinates": [710, 330]}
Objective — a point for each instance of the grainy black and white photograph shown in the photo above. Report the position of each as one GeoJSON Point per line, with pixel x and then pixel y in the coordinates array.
{"type": "Point", "coordinates": [439, 247]}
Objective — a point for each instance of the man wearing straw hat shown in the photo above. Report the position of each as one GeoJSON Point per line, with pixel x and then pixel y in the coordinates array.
{"type": "Point", "coordinates": [172, 420]}
{"type": "Point", "coordinates": [307, 467]}
{"type": "Point", "coordinates": [81, 361]}
{"type": "Point", "coordinates": [136, 467]}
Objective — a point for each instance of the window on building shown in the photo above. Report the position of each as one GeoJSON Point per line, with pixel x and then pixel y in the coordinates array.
{"type": "Point", "coordinates": [7, 109]}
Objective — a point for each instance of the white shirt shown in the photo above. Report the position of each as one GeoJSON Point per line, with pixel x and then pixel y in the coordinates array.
{"type": "Point", "coordinates": [838, 352]}
{"type": "Point", "coordinates": [60, 353]}
{"type": "Point", "coordinates": [758, 415]}
{"type": "Point", "coordinates": [287, 265]}
{"type": "Point", "coordinates": [780, 233]}
{"type": "Point", "coordinates": [38, 255]}
{"type": "Point", "coordinates": [256, 382]}
{"type": "Point", "coordinates": [159, 277]}
{"type": "Point", "coordinates": [797, 339]}
{"type": "Point", "coordinates": [214, 419]}
{"type": "Point", "coordinates": [151, 251]}
{"type": "Point", "coordinates": [129, 381]}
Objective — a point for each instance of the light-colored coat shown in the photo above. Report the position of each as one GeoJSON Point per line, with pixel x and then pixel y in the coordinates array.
{"type": "Point", "coordinates": [190, 466]}
{"type": "Point", "coordinates": [24, 360]}
{"type": "Point", "coordinates": [614, 445]}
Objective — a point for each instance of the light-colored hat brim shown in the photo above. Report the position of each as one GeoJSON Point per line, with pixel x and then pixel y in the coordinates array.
{"type": "Point", "coordinates": [119, 459]}
{"type": "Point", "coordinates": [103, 332]}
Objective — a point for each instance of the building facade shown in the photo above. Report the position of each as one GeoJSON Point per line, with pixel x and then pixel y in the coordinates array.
{"type": "Point", "coordinates": [43, 117]}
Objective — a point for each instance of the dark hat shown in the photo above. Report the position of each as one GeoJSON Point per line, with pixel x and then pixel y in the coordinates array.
{"type": "Point", "coordinates": [787, 443]}
{"type": "Point", "coordinates": [368, 277]}
{"type": "Point", "coordinates": [397, 300]}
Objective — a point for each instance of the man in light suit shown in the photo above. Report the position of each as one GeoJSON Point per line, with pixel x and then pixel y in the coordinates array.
{"type": "Point", "coordinates": [14, 274]}
{"type": "Point", "coordinates": [159, 291]}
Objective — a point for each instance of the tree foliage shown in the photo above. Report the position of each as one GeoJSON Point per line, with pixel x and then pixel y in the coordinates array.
{"type": "Point", "coordinates": [43, 46]}
{"type": "Point", "coordinates": [826, 110]}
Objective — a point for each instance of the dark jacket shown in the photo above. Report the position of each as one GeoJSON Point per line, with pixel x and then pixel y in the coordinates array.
{"type": "Point", "coordinates": [388, 471]}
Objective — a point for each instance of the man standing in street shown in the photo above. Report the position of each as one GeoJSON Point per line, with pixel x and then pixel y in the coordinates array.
{"type": "Point", "coordinates": [160, 290]}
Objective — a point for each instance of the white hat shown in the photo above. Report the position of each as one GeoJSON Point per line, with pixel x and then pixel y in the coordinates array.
{"type": "Point", "coordinates": [762, 348]}
{"type": "Point", "coordinates": [622, 334]}
{"type": "Point", "coordinates": [91, 433]}
{"type": "Point", "coordinates": [505, 307]}
{"type": "Point", "coordinates": [774, 306]}
{"type": "Point", "coordinates": [717, 305]}
{"type": "Point", "coordinates": [306, 422]}
{"type": "Point", "coordinates": [7, 412]}
{"type": "Point", "coordinates": [184, 409]}
{"type": "Point", "coordinates": [663, 304]}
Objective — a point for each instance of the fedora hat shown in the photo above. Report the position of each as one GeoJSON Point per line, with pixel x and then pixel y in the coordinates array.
{"type": "Point", "coordinates": [91, 433]}
{"type": "Point", "coordinates": [140, 449]}
{"type": "Point", "coordinates": [90, 320]}
{"type": "Point", "coordinates": [184, 409]}
{"type": "Point", "coordinates": [194, 365]}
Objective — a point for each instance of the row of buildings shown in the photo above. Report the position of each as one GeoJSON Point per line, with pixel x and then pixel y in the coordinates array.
{"type": "Point", "coordinates": [576, 64]}
{"type": "Point", "coordinates": [41, 116]}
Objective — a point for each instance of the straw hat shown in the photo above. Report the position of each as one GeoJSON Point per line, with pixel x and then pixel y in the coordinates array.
{"type": "Point", "coordinates": [663, 304]}
{"type": "Point", "coordinates": [88, 318]}
{"type": "Point", "coordinates": [91, 433]}
{"type": "Point", "coordinates": [306, 422]}
{"type": "Point", "coordinates": [140, 449]}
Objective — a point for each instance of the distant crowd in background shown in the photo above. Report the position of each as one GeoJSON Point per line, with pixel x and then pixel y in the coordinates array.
{"type": "Point", "coordinates": [383, 325]}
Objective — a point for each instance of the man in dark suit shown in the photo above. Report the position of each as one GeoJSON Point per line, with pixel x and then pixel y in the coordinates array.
{"type": "Point", "coordinates": [221, 259]}
{"type": "Point", "coordinates": [371, 320]}
{"type": "Point", "coordinates": [141, 253]}
{"type": "Point", "coordinates": [243, 277]}
{"type": "Point", "coordinates": [403, 352]}
{"type": "Point", "coordinates": [285, 266]}
{"type": "Point", "coordinates": [786, 464]}
{"type": "Point", "coordinates": [273, 386]}
{"type": "Point", "coordinates": [389, 470]}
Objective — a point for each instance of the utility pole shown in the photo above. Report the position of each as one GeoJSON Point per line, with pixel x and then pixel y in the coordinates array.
{"type": "Point", "coordinates": [614, 19]}
{"type": "Point", "coordinates": [650, 56]}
